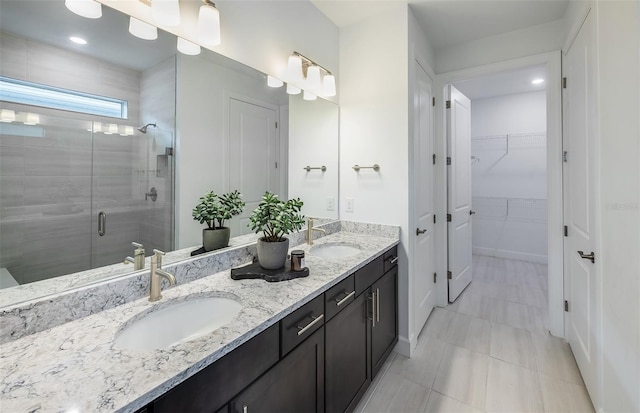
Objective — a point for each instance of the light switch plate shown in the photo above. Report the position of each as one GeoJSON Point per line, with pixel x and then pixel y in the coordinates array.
{"type": "Point", "coordinates": [331, 203]}
{"type": "Point", "coordinates": [349, 202]}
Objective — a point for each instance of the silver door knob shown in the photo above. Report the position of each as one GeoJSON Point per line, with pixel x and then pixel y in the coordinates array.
{"type": "Point", "coordinates": [420, 231]}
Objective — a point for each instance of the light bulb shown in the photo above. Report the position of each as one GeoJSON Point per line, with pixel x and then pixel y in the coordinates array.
{"type": "Point", "coordinates": [32, 119]}
{"type": "Point", "coordinates": [142, 30]}
{"type": "Point", "coordinates": [166, 12]}
{"type": "Point", "coordinates": [309, 96]}
{"type": "Point", "coordinates": [209, 24]}
{"type": "Point", "coordinates": [274, 82]}
{"type": "Point", "coordinates": [293, 90]}
{"type": "Point", "coordinates": [313, 78]}
{"type": "Point", "coordinates": [329, 85]}
{"type": "Point", "coordinates": [85, 8]}
{"type": "Point", "coordinates": [294, 69]}
{"type": "Point", "coordinates": [7, 115]}
{"type": "Point", "coordinates": [113, 128]}
{"type": "Point", "coordinates": [187, 47]}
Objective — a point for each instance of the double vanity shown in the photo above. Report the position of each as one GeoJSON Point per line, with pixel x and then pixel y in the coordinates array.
{"type": "Point", "coordinates": [217, 344]}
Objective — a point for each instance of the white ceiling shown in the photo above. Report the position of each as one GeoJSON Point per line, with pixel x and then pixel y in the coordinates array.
{"type": "Point", "coordinates": [450, 22]}
{"type": "Point", "coordinates": [503, 83]}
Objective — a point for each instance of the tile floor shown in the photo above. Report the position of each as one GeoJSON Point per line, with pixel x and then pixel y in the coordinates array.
{"type": "Point", "coordinates": [487, 352]}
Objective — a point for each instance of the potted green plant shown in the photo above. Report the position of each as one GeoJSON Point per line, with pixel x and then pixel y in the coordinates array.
{"type": "Point", "coordinates": [213, 210]}
{"type": "Point", "coordinates": [275, 219]}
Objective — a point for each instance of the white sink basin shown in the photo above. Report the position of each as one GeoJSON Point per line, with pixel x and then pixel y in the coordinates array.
{"type": "Point", "coordinates": [334, 250]}
{"type": "Point", "coordinates": [178, 322]}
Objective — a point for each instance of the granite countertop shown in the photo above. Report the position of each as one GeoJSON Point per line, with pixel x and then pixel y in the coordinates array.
{"type": "Point", "coordinates": [76, 367]}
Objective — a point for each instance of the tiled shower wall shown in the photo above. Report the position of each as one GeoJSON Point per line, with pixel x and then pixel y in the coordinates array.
{"type": "Point", "coordinates": [47, 183]}
{"type": "Point", "coordinates": [157, 102]}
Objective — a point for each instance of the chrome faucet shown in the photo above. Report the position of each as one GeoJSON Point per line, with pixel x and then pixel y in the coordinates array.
{"type": "Point", "coordinates": [157, 274]}
{"type": "Point", "coordinates": [310, 230]}
{"type": "Point", "coordinates": [138, 261]}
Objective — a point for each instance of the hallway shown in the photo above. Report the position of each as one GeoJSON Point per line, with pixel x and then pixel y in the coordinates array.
{"type": "Point", "coordinates": [489, 351]}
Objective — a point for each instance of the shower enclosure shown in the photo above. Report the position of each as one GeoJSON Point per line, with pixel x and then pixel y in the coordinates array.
{"type": "Point", "coordinates": [74, 194]}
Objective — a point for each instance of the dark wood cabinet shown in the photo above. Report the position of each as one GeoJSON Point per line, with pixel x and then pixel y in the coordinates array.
{"type": "Point", "coordinates": [294, 385]}
{"type": "Point", "coordinates": [384, 335]}
{"type": "Point", "coordinates": [347, 367]}
{"type": "Point", "coordinates": [322, 357]}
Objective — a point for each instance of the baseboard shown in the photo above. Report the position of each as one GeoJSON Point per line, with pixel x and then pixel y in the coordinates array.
{"type": "Point", "coordinates": [403, 347]}
{"type": "Point", "coordinates": [514, 255]}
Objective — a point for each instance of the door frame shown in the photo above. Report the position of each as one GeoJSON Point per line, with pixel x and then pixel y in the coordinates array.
{"type": "Point", "coordinates": [552, 63]}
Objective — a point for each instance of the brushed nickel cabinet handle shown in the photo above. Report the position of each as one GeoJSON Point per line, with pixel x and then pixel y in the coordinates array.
{"type": "Point", "coordinates": [372, 297]}
{"type": "Point", "coordinates": [378, 305]}
{"type": "Point", "coordinates": [315, 320]}
{"type": "Point", "coordinates": [102, 223]}
{"type": "Point", "coordinates": [344, 300]}
{"type": "Point", "coordinates": [245, 409]}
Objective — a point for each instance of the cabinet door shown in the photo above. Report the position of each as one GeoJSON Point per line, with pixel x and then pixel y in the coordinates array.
{"type": "Point", "coordinates": [347, 368]}
{"type": "Point", "coordinates": [384, 335]}
{"type": "Point", "coordinates": [295, 384]}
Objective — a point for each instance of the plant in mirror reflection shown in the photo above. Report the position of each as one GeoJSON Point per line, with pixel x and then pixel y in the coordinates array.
{"type": "Point", "coordinates": [276, 218]}
{"type": "Point", "coordinates": [218, 208]}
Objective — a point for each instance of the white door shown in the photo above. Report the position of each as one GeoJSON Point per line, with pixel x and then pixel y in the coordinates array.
{"type": "Point", "coordinates": [580, 134]}
{"type": "Point", "coordinates": [253, 157]}
{"type": "Point", "coordinates": [423, 170]}
{"type": "Point", "coordinates": [458, 191]}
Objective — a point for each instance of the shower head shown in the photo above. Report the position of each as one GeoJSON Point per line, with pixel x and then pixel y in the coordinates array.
{"type": "Point", "coordinates": [143, 129]}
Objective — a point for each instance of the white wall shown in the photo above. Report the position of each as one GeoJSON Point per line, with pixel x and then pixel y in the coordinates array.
{"type": "Point", "coordinates": [374, 128]}
{"type": "Point", "coordinates": [313, 141]}
{"type": "Point", "coordinates": [510, 189]}
{"type": "Point", "coordinates": [618, 106]}
{"type": "Point", "coordinates": [519, 43]}
{"type": "Point", "coordinates": [260, 34]}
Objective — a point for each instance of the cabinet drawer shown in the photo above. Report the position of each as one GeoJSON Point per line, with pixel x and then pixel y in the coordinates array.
{"type": "Point", "coordinates": [339, 296]}
{"type": "Point", "coordinates": [367, 275]}
{"type": "Point", "coordinates": [210, 389]}
{"type": "Point", "coordinates": [390, 259]}
{"type": "Point", "coordinates": [300, 324]}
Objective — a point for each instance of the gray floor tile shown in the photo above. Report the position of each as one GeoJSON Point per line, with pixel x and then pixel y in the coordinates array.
{"type": "Point", "coordinates": [554, 358]}
{"type": "Point", "coordinates": [559, 396]}
{"type": "Point", "coordinates": [512, 345]}
{"type": "Point", "coordinates": [439, 403]}
{"type": "Point", "coordinates": [462, 375]}
{"type": "Point", "coordinates": [511, 388]}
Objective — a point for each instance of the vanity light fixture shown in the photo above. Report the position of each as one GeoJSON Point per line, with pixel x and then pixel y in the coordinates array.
{"type": "Point", "coordinates": [313, 78]}
{"type": "Point", "coordinates": [308, 96]}
{"type": "Point", "coordinates": [209, 24]}
{"type": "Point", "coordinates": [142, 29]}
{"type": "Point", "coordinates": [86, 8]}
{"type": "Point", "coordinates": [187, 47]}
{"type": "Point", "coordinates": [7, 116]}
{"type": "Point", "coordinates": [166, 12]}
{"type": "Point", "coordinates": [294, 68]}
{"type": "Point", "coordinates": [537, 81]}
{"type": "Point", "coordinates": [293, 90]}
{"type": "Point", "coordinates": [274, 82]}
{"type": "Point", "coordinates": [329, 85]}
{"type": "Point", "coordinates": [113, 128]}
{"type": "Point", "coordinates": [319, 80]}
{"type": "Point", "coordinates": [32, 119]}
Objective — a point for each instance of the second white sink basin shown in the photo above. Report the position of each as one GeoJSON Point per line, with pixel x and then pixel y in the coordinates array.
{"type": "Point", "coordinates": [178, 322]}
{"type": "Point", "coordinates": [334, 250]}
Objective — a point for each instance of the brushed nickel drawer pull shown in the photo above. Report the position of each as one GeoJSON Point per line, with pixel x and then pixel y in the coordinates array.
{"type": "Point", "coordinates": [372, 297]}
{"type": "Point", "coordinates": [306, 328]}
{"type": "Point", "coordinates": [378, 304]}
{"type": "Point", "coordinates": [394, 259]}
{"type": "Point", "coordinates": [340, 302]}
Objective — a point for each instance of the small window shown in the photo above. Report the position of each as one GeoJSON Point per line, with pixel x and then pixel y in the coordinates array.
{"type": "Point", "coordinates": [29, 93]}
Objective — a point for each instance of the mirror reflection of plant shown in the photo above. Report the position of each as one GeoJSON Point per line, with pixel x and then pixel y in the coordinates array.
{"type": "Point", "coordinates": [276, 218]}
{"type": "Point", "coordinates": [213, 208]}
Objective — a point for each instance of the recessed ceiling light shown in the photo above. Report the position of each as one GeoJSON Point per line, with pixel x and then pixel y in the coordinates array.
{"type": "Point", "coordinates": [537, 81]}
{"type": "Point", "coordinates": [77, 40]}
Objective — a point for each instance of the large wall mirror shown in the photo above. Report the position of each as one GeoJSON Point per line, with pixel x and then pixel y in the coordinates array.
{"type": "Point", "coordinates": [76, 189]}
